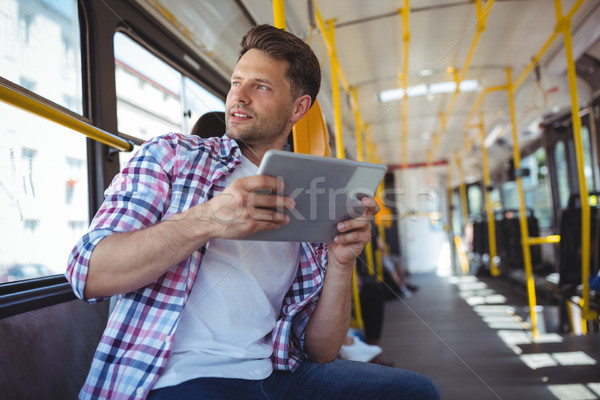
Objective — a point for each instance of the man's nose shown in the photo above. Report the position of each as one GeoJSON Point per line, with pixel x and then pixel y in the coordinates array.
{"type": "Point", "coordinates": [240, 94]}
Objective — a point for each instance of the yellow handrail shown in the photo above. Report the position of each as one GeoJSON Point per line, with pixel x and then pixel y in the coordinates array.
{"type": "Point", "coordinates": [335, 91]}
{"type": "Point", "coordinates": [358, 125]}
{"type": "Point", "coordinates": [491, 225]}
{"type": "Point", "coordinates": [26, 103]}
{"type": "Point", "coordinates": [279, 14]}
{"type": "Point", "coordinates": [563, 25]}
{"type": "Point", "coordinates": [405, 41]}
{"type": "Point", "coordinates": [462, 190]}
{"type": "Point", "coordinates": [522, 216]}
{"type": "Point", "coordinates": [327, 33]}
{"type": "Point", "coordinates": [482, 15]}
{"type": "Point", "coordinates": [478, 102]}
{"type": "Point", "coordinates": [544, 239]}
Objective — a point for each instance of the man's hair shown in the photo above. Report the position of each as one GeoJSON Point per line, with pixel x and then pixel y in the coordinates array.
{"type": "Point", "coordinates": [304, 72]}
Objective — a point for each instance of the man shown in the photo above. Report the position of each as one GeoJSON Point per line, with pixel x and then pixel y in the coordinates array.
{"type": "Point", "coordinates": [202, 314]}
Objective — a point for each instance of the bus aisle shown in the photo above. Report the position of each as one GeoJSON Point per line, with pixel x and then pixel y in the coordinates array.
{"type": "Point", "coordinates": [470, 335]}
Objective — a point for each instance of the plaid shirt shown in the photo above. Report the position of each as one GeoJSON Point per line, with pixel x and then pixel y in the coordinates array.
{"type": "Point", "coordinates": [168, 175]}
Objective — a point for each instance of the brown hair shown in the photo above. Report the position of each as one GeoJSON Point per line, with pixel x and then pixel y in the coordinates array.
{"type": "Point", "coordinates": [304, 73]}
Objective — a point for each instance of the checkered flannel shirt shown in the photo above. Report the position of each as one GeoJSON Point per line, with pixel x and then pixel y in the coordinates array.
{"type": "Point", "coordinates": [169, 174]}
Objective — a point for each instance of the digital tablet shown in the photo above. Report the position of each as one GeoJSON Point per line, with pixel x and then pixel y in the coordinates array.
{"type": "Point", "coordinates": [326, 191]}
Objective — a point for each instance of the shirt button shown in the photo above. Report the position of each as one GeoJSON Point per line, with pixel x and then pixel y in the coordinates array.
{"type": "Point", "coordinates": [140, 391]}
{"type": "Point", "coordinates": [168, 339]}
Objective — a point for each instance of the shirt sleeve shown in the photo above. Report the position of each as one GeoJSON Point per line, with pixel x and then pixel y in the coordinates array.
{"type": "Point", "coordinates": [318, 266]}
{"type": "Point", "coordinates": [136, 198]}
{"type": "Point", "coordinates": [298, 305]}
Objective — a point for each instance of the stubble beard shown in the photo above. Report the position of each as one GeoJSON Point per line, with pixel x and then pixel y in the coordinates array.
{"type": "Point", "coordinates": [259, 131]}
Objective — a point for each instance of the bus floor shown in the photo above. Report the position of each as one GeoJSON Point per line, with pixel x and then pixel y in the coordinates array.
{"type": "Point", "coordinates": [471, 337]}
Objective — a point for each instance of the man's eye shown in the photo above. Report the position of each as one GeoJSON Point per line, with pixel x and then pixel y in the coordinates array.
{"type": "Point", "coordinates": [262, 87]}
{"type": "Point", "coordinates": [235, 84]}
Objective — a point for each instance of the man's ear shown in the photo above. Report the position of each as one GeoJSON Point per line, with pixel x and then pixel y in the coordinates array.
{"type": "Point", "coordinates": [301, 107]}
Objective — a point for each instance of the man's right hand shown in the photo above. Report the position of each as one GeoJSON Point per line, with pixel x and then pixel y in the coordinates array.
{"type": "Point", "coordinates": [240, 210]}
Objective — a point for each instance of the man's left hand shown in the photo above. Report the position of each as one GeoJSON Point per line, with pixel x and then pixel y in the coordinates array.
{"type": "Point", "coordinates": [354, 235]}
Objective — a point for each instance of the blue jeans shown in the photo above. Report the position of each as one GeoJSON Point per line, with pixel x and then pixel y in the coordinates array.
{"type": "Point", "coordinates": [340, 379]}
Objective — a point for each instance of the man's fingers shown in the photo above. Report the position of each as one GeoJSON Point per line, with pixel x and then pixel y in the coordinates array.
{"type": "Point", "coordinates": [372, 206]}
{"type": "Point", "coordinates": [355, 236]}
{"type": "Point", "coordinates": [354, 224]}
{"type": "Point", "coordinates": [270, 201]}
{"type": "Point", "coordinates": [260, 183]}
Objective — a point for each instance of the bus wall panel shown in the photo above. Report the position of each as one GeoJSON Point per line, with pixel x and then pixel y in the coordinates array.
{"type": "Point", "coordinates": [46, 353]}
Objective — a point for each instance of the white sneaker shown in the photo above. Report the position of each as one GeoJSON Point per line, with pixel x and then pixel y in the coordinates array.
{"type": "Point", "coordinates": [359, 351]}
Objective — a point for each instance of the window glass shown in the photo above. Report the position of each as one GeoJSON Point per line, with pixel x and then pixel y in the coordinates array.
{"type": "Point", "coordinates": [536, 187]}
{"type": "Point", "coordinates": [43, 166]}
{"type": "Point", "coordinates": [40, 49]}
{"type": "Point", "coordinates": [588, 169]}
{"type": "Point", "coordinates": [198, 101]}
{"type": "Point", "coordinates": [456, 213]}
{"type": "Point", "coordinates": [562, 174]}
{"type": "Point", "coordinates": [496, 199]}
{"type": "Point", "coordinates": [510, 196]}
{"type": "Point", "coordinates": [475, 200]}
{"type": "Point", "coordinates": [153, 98]}
{"type": "Point", "coordinates": [43, 194]}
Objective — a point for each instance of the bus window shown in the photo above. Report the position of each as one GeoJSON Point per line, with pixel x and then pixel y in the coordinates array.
{"type": "Point", "coordinates": [510, 195]}
{"type": "Point", "coordinates": [496, 199]}
{"type": "Point", "coordinates": [198, 101]}
{"type": "Point", "coordinates": [536, 187]}
{"type": "Point", "coordinates": [32, 39]}
{"type": "Point", "coordinates": [588, 169]}
{"type": "Point", "coordinates": [456, 213]}
{"type": "Point", "coordinates": [153, 98]}
{"type": "Point", "coordinates": [474, 196]}
{"type": "Point", "coordinates": [562, 174]}
{"type": "Point", "coordinates": [43, 210]}
{"type": "Point", "coordinates": [148, 93]}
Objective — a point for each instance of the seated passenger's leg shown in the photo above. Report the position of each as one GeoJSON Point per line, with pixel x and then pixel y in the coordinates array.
{"type": "Point", "coordinates": [346, 380]}
{"type": "Point", "coordinates": [371, 304]}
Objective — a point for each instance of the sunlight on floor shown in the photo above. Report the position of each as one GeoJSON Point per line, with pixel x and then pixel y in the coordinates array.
{"type": "Point", "coordinates": [513, 331]}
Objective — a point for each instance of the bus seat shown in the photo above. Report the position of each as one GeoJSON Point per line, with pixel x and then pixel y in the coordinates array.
{"type": "Point", "coordinates": [310, 133]}
{"type": "Point", "coordinates": [210, 124]}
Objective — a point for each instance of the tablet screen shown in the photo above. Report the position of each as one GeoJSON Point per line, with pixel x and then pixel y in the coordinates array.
{"type": "Point", "coordinates": [326, 191]}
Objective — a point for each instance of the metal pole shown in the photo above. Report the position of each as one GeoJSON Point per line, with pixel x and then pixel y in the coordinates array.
{"type": "Point", "coordinates": [488, 203]}
{"type": "Point", "coordinates": [564, 26]}
{"type": "Point", "coordinates": [522, 211]}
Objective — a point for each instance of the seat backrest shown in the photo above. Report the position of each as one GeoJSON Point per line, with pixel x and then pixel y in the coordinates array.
{"type": "Point", "coordinates": [210, 124]}
{"type": "Point", "coordinates": [310, 133]}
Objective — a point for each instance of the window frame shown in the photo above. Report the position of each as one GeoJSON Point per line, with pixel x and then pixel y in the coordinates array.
{"type": "Point", "coordinates": [99, 21]}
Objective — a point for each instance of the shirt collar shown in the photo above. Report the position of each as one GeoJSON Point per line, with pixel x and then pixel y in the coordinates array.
{"type": "Point", "coordinates": [229, 150]}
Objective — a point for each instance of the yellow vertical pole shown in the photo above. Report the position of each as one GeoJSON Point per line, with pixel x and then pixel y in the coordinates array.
{"type": "Point", "coordinates": [462, 190]}
{"type": "Point", "coordinates": [360, 157]}
{"type": "Point", "coordinates": [488, 203]}
{"type": "Point", "coordinates": [465, 215]}
{"type": "Point", "coordinates": [358, 126]}
{"type": "Point", "coordinates": [522, 215]}
{"type": "Point", "coordinates": [335, 89]}
{"type": "Point", "coordinates": [329, 33]}
{"type": "Point", "coordinates": [405, 40]}
{"type": "Point", "coordinates": [279, 14]}
{"type": "Point", "coordinates": [564, 26]}
{"type": "Point", "coordinates": [381, 231]}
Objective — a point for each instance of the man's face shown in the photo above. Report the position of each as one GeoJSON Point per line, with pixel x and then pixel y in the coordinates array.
{"type": "Point", "coordinates": [259, 103]}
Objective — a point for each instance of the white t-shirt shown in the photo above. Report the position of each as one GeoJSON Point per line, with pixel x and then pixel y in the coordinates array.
{"type": "Point", "coordinates": [225, 327]}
